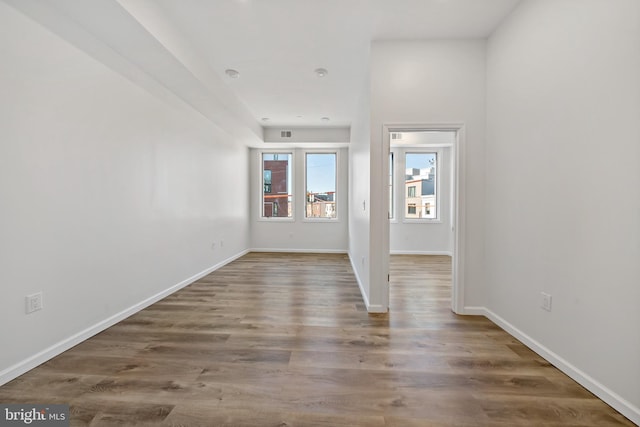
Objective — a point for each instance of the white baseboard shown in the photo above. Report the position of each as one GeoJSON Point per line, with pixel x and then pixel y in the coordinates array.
{"type": "Point", "coordinates": [377, 308]}
{"type": "Point", "coordinates": [616, 401]}
{"type": "Point", "coordinates": [401, 252]}
{"type": "Point", "coordinates": [365, 298]}
{"type": "Point", "coordinates": [300, 251]}
{"type": "Point", "coordinates": [474, 311]}
{"type": "Point", "coordinates": [26, 365]}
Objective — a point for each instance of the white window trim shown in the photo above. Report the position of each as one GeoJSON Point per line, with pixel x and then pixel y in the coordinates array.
{"type": "Point", "coordinates": [261, 187]}
{"type": "Point", "coordinates": [399, 182]}
{"type": "Point", "coordinates": [394, 190]}
{"type": "Point", "coordinates": [337, 192]}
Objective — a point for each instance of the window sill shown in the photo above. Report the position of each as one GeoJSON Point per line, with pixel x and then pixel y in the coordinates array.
{"type": "Point", "coordinates": [422, 221]}
{"type": "Point", "coordinates": [275, 219]}
{"type": "Point", "coordinates": [321, 220]}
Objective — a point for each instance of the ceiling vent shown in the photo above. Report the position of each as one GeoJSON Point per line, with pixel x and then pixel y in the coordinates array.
{"type": "Point", "coordinates": [285, 134]}
{"type": "Point", "coordinates": [396, 136]}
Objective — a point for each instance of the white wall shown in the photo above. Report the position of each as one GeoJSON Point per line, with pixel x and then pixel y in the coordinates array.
{"type": "Point", "coordinates": [109, 196]}
{"type": "Point", "coordinates": [299, 234]}
{"type": "Point", "coordinates": [311, 135]}
{"type": "Point", "coordinates": [359, 189]}
{"type": "Point", "coordinates": [437, 82]}
{"type": "Point", "coordinates": [423, 237]}
{"type": "Point", "coordinates": [563, 193]}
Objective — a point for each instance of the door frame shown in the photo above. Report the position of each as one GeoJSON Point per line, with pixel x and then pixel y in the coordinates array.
{"type": "Point", "coordinates": [458, 199]}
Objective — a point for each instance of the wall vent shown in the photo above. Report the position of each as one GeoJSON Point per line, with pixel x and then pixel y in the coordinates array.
{"type": "Point", "coordinates": [285, 134]}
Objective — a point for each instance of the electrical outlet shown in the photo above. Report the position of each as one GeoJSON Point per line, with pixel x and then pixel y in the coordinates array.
{"type": "Point", "coordinates": [546, 301]}
{"type": "Point", "coordinates": [34, 302]}
{"type": "Point", "coordinates": [221, 243]}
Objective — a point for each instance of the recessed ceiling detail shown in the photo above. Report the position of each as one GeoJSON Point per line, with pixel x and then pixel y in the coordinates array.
{"type": "Point", "coordinates": [321, 72]}
{"type": "Point", "coordinates": [234, 74]}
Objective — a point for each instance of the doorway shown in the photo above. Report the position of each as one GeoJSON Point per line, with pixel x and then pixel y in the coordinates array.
{"type": "Point", "coordinates": [423, 191]}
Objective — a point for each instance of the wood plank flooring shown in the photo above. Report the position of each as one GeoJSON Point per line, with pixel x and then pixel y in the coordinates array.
{"type": "Point", "coordinates": [285, 340]}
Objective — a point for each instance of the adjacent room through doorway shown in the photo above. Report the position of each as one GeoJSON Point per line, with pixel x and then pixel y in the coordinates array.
{"type": "Point", "coordinates": [421, 217]}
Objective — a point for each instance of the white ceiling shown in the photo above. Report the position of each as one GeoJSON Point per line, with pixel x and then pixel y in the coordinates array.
{"type": "Point", "coordinates": [277, 44]}
{"type": "Point", "coordinates": [184, 46]}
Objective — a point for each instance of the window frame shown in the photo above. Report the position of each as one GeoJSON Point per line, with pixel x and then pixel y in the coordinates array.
{"type": "Point", "coordinates": [392, 186]}
{"type": "Point", "coordinates": [336, 153]}
{"type": "Point", "coordinates": [290, 178]}
{"type": "Point", "coordinates": [400, 198]}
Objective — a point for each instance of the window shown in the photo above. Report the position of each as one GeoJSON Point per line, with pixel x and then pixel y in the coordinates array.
{"type": "Point", "coordinates": [391, 210]}
{"type": "Point", "coordinates": [420, 182]}
{"type": "Point", "coordinates": [266, 181]}
{"type": "Point", "coordinates": [277, 199]}
{"type": "Point", "coordinates": [320, 178]}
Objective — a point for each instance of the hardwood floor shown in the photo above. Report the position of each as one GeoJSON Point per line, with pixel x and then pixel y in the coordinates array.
{"type": "Point", "coordinates": [285, 340]}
